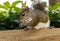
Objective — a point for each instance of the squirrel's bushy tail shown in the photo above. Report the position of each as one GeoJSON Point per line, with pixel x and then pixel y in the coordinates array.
{"type": "Point", "coordinates": [40, 6]}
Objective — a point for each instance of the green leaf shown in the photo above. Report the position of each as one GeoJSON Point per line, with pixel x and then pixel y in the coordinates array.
{"type": "Point", "coordinates": [56, 6]}
{"type": "Point", "coordinates": [15, 3]}
{"type": "Point", "coordinates": [7, 4]}
{"type": "Point", "coordinates": [2, 15]}
{"type": "Point", "coordinates": [17, 9]}
{"type": "Point", "coordinates": [1, 6]}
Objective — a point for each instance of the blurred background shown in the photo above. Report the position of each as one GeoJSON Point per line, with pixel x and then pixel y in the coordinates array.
{"type": "Point", "coordinates": [54, 13]}
{"type": "Point", "coordinates": [10, 11]}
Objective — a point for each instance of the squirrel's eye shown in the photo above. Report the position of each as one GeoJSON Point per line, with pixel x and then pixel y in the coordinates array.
{"type": "Point", "coordinates": [23, 14]}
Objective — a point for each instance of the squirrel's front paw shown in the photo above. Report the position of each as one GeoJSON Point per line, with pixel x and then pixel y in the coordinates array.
{"type": "Point", "coordinates": [27, 28]}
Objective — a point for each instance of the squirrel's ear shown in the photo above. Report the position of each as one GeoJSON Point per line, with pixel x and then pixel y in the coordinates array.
{"type": "Point", "coordinates": [26, 9]}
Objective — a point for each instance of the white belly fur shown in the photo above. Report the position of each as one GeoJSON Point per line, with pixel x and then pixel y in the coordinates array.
{"type": "Point", "coordinates": [42, 25]}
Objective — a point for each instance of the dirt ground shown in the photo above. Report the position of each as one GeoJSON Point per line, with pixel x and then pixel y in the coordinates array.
{"type": "Point", "coordinates": [31, 35]}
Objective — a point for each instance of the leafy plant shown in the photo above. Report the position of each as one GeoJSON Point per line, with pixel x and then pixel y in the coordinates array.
{"type": "Point", "coordinates": [10, 9]}
{"type": "Point", "coordinates": [9, 13]}
{"type": "Point", "coordinates": [54, 14]}
{"type": "Point", "coordinates": [56, 6]}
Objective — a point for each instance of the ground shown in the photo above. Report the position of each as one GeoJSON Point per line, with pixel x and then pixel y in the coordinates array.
{"type": "Point", "coordinates": [46, 34]}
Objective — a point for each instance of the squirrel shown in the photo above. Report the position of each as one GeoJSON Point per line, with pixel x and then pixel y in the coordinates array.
{"type": "Point", "coordinates": [34, 18]}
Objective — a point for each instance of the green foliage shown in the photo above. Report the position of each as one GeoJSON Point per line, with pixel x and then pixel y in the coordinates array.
{"type": "Point", "coordinates": [54, 12]}
{"type": "Point", "coordinates": [54, 15]}
{"type": "Point", "coordinates": [56, 6]}
{"type": "Point", "coordinates": [1, 6]}
{"type": "Point", "coordinates": [15, 3]}
{"type": "Point", "coordinates": [2, 15]}
{"type": "Point", "coordinates": [10, 9]}
{"type": "Point", "coordinates": [9, 13]}
{"type": "Point", "coordinates": [7, 4]}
